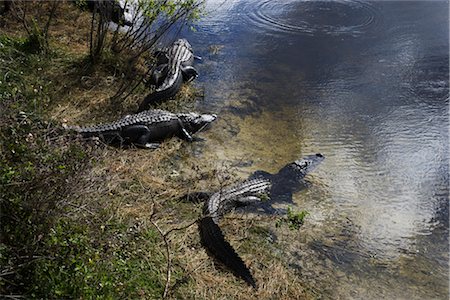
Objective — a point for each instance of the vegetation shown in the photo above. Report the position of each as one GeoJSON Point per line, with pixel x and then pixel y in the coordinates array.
{"type": "Point", "coordinates": [83, 220]}
{"type": "Point", "coordinates": [294, 220]}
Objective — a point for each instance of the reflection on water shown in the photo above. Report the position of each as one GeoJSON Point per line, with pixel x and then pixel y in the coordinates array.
{"type": "Point", "coordinates": [366, 84]}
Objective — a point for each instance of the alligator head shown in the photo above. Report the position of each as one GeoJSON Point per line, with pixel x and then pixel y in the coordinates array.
{"type": "Point", "coordinates": [194, 122]}
{"type": "Point", "coordinates": [290, 178]}
{"type": "Point", "coordinates": [307, 163]}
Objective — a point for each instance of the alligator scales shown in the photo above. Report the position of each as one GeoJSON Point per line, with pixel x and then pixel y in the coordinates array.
{"type": "Point", "coordinates": [173, 67]}
{"type": "Point", "coordinates": [146, 128]}
{"type": "Point", "coordinates": [250, 192]}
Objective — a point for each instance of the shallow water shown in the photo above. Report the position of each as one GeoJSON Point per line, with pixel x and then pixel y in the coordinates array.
{"type": "Point", "coordinates": [364, 83]}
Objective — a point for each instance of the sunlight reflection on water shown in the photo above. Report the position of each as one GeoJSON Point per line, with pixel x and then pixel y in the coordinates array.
{"type": "Point", "coordinates": [366, 84]}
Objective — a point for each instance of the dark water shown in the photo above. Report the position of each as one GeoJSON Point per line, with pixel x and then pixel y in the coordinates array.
{"type": "Point", "coordinates": [367, 85]}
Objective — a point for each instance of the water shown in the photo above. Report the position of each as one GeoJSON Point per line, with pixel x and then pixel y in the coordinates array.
{"type": "Point", "coordinates": [367, 85]}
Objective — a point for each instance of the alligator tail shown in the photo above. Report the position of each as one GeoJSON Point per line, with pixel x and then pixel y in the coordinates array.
{"type": "Point", "coordinates": [196, 197]}
{"type": "Point", "coordinates": [214, 241]}
{"type": "Point", "coordinates": [160, 96]}
{"type": "Point", "coordinates": [94, 130]}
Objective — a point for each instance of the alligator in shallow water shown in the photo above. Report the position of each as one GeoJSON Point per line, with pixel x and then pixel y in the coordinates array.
{"type": "Point", "coordinates": [290, 178]}
{"type": "Point", "coordinates": [146, 128]}
{"type": "Point", "coordinates": [173, 67]}
{"type": "Point", "coordinates": [251, 192]}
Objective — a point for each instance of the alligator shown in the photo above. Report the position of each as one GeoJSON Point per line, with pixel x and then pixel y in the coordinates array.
{"type": "Point", "coordinates": [221, 202]}
{"type": "Point", "coordinates": [111, 10]}
{"type": "Point", "coordinates": [147, 128]}
{"type": "Point", "coordinates": [173, 67]}
{"type": "Point", "coordinates": [290, 178]}
{"type": "Point", "coordinates": [260, 186]}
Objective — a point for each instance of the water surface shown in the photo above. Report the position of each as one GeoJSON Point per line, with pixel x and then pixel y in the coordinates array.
{"type": "Point", "coordinates": [364, 83]}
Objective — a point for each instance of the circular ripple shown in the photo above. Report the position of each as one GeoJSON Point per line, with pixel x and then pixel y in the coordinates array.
{"type": "Point", "coordinates": [336, 17]}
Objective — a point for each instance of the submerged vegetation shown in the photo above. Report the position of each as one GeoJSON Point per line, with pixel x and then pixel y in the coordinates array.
{"type": "Point", "coordinates": [80, 219]}
{"type": "Point", "coordinates": [293, 219]}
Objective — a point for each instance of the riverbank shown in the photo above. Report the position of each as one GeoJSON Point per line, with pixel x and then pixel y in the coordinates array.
{"type": "Point", "coordinates": [81, 219]}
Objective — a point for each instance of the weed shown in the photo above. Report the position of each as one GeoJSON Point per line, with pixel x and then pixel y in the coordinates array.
{"type": "Point", "coordinates": [294, 220]}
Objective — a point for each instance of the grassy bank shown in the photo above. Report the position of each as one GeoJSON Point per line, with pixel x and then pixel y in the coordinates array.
{"type": "Point", "coordinates": [80, 219]}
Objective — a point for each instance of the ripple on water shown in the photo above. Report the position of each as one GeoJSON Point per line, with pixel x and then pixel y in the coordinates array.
{"type": "Point", "coordinates": [330, 17]}
{"type": "Point", "coordinates": [431, 80]}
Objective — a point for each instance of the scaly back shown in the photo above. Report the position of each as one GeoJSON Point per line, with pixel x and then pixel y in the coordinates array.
{"type": "Point", "coordinates": [222, 201]}
{"type": "Point", "coordinates": [147, 117]}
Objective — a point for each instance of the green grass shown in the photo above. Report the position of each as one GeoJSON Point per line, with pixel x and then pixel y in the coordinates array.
{"type": "Point", "coordinates": [120, 262]}
{"type": "Point", "coordinates": [48, 248]}
{"type": "Point", "coordinates": [294, 220]}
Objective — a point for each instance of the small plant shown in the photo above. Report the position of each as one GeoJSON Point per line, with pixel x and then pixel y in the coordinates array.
{"type": "Point", "coordinates": [36, 18]}
{"type": "Point", "coordinates": [293, 219]}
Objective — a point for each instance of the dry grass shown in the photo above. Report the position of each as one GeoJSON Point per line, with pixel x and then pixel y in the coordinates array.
{"type": "Point", "coordinates": [140, 188]}
{"type": "Point", "coordinates": [140, 182]}
{"type": "Point", "coordinates": [211, 281]}
{"type": "Point", "coordinates": [69, 29]}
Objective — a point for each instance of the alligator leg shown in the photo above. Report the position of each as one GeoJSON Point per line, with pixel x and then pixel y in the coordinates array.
{"type": "Point", "coordinates": [139, 135]}
{"type": "Point", "coordinates": [161, 57]}
{"type": "Point", "coordinates": [159, 74]}
{"type": "Point", "coordinates": [189, 73]}
{"type": "Point", "coordinates": [183, 134]}
{"type": "Point", "coordinates": [252, 203]}
{"type": "Point", "coordinates": [248, 201]}
{"type": "Point", "coordinates": [258, 207]}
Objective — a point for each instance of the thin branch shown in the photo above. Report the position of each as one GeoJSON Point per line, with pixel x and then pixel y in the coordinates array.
{"type": "Point", "coordinates": [92, 34]}
{"type": "Point", "coordinates": [182, 228]}
{"type": "Point", "coordinates": [169, 263]}
{"type": "Point", "coordinates": [17, 9]}
{"type": "Point", "coordinates": [52, 13]}
{"type": "Point", "coordinates": [12, 296]}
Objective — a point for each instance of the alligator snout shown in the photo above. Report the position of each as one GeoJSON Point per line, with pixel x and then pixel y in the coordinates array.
{"type": "Point", "coordinates": [212, 118]}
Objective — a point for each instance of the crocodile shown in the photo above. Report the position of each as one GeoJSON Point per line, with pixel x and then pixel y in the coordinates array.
{"type": "Point", "coordinates": [260, 186]}
{"type": "Point", "coordinates": [173, 67]}
{"type": "Point", "coordinates": [147, 128]}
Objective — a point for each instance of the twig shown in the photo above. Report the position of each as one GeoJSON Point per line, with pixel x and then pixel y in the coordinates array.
{"type": "Point", "coordinates": [17, 9]}
{"type": "Point", "coordinates": [12, 296]}
{"type": "Point", "coordinates": [181, 228]}
{"type": "Point", "coordinates": [52, 13]}
{"type": "Point", "coordinates": [16, 183]}
{"type": "Point", "coordinates": [169, 264]}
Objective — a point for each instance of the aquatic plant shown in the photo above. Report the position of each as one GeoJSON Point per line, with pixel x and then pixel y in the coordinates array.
{"type": "Point", "coordinates": [293, 219]}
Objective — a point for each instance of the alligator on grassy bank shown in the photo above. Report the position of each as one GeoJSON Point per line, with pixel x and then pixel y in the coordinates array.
{"type": "Point", "coordinates": [173, 67]}
{"type": "Point", "coordinates": [221, 202]}
{"type": "Point", "coordinates": [147, 128]}
{"type": "Point", "coordinates": [260, 186]}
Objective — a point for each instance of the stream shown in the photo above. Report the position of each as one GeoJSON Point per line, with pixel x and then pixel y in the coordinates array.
{"type": "Point", "coordinates": [366, 83]}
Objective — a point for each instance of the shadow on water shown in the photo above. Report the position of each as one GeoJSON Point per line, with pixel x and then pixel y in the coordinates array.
{"type": "Point", "coordinates": [366, 83]}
